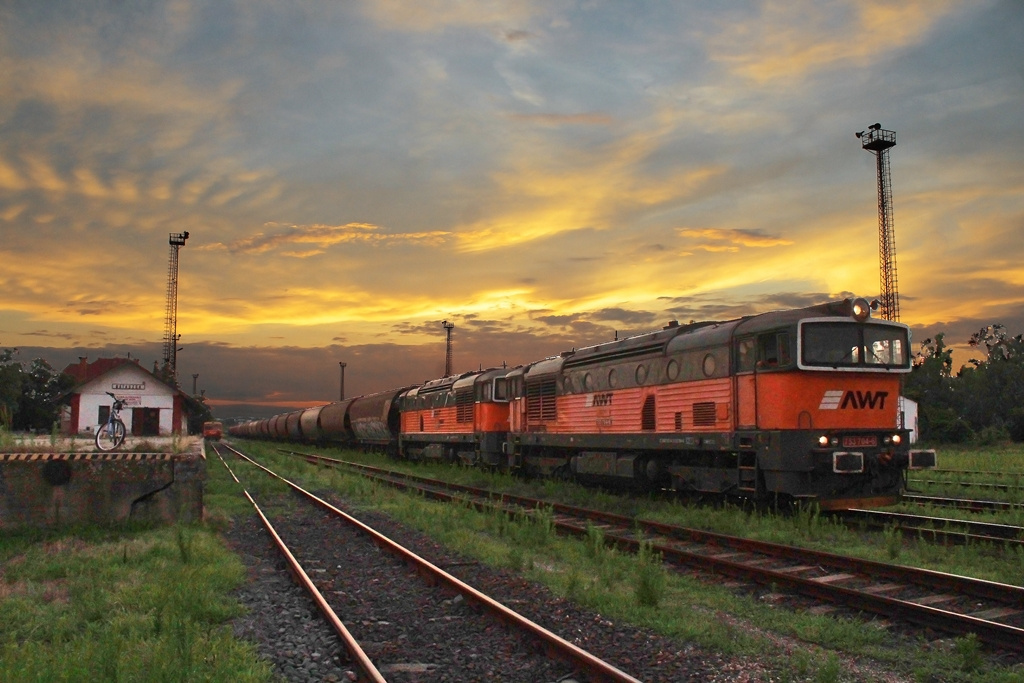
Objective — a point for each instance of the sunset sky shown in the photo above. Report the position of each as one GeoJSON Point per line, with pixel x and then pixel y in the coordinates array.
{"type": "Point", "coordinates": [543, 174]}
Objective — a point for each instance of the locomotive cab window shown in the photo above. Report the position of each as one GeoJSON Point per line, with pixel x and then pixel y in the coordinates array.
{"type": "Point", "coordinates": [767, 351]}
{"type": "Point", "coordinates": [746, 357]}
{"type": "Point", "coordinates": [500, 389]}
{"type": "Point", "coordinates": [883, 349]}
{"type": "Point", "coordinates": [854, 346]}
{"type": "Point", "coordinates": [773, 350]}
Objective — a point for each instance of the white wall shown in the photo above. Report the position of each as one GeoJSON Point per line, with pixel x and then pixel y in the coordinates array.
{"type": "Point", "coordinates": [908, 411]}
{"type": "Point", "coordinates": [136, 387]}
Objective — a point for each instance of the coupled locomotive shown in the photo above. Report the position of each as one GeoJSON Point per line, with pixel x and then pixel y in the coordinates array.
{"type": "Point", "coordinates": [799, 404]}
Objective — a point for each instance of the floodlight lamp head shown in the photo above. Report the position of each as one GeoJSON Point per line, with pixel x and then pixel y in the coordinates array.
{"type": "Point", "coordinates": [860, 309]}
{"type": "Point", "coordinates": [876, 126]}
{"type": "Point", "coordinates": [859, 134]}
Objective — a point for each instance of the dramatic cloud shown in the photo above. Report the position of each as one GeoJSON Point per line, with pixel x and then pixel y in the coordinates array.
{"type": "Point", "coordinates": [545, 175]}
{"type": "Point", "coordinates": [322, 236]}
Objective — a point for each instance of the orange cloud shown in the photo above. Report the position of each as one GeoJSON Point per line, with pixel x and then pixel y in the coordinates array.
{"type": "Point", "coordinates": [323, 236]}
{"type": "Point", "coordinates": [745, 238]}
{"type": "Point", "coordinates": [790, 40]}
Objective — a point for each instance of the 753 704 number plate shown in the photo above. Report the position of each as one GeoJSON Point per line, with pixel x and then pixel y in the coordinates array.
{"type": "Point", "coordinates": [859, 441]}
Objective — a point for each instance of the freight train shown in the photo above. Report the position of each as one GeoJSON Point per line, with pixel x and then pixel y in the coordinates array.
{"type": "Point", "coordinates": [796, 405]}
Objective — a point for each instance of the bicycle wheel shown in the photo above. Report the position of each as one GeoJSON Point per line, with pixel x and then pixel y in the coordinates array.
{"type": "Point", "coordinates": [110, 436]}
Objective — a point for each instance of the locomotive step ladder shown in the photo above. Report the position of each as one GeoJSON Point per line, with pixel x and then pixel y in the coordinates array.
{"type": "Point", "coordinates": [746, 471]}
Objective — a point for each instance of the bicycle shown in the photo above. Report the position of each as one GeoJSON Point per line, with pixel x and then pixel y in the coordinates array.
{"type": "Point", "coordinates": [112, 434]}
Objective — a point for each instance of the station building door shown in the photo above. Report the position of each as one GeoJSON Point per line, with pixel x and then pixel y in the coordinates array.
{"type": "Point", "coordinates": [145, 422]}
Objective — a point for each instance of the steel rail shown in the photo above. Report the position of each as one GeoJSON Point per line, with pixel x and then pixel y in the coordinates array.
{"type": "Point", "coordinates": [994, 473]}
{"type": "Point", "coordinates": [911, 525]}
{"type": "Point", "coordinates": [967, 484]}
{"type": "Point", "coordinates": [821, 588]}
{"type": "Point", "coordinates": [355, 651]}
{"type": "Point", "coordinates": [965, 503]}
{"type": "Point", "coordinates": [554, 644]}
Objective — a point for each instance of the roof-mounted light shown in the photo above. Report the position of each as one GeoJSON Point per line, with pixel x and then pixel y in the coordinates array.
{"type": "Point", "coordinates": [861, 310]}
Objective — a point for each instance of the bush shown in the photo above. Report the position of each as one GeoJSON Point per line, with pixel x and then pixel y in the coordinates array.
{"type": "Point", "coordinates": [992, 435]}
{"type": "Point", "coordinates": [943, 424]}
{"type": "Point", "coordinates": [1015, 424]}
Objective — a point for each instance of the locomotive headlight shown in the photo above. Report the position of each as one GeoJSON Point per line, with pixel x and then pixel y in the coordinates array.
{"type": "Point", "coordinates": [897, 439]}
{"type": "Point", "coordinates": [861, 309]}
{"type": "Point", "coordinates": [822, 440]}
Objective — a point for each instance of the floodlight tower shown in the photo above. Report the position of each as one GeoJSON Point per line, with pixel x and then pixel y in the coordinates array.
{"type": "Point", "coordinates": [879, 142]}
{"type": "Point", "coordinates": [177, 241]}
{"type": "Point", "coordinates": [448, 327]}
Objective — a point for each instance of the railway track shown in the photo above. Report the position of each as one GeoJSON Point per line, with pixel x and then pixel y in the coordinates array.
{"type": "Point", "coordinates": [967, 484]}
{"type": "Point", "coordinates": [964, 503]}
{"type": "Point", "coordinates": [938, 529]}
{"type": "Point", "coordinates": [983, 473]}
{"type": "Point", "coordinates": [428, 601]}
{"type": "Point", "coordinates": [953, 604]}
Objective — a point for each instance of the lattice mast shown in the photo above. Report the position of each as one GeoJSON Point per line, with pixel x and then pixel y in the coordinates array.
{"type": "Point", "coordinates": [177, 241]}
{"type": "Point", "coordinates": [879, 142]}
{"type": "Point", "coordinates": [448, 327]}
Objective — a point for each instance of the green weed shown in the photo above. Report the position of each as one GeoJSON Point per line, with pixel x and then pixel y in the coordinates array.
{"type": "Point", "coordinates": [893, 541]}
{"type": "Point", "coordinates": [649, 587]}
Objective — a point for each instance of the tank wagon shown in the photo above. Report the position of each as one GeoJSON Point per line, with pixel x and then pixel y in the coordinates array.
{"type": "Point", "coordinates": [799, 404]}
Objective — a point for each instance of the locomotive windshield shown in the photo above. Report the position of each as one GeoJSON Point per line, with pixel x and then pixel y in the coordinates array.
{"type": "Point", "coordinates": [842, 345]}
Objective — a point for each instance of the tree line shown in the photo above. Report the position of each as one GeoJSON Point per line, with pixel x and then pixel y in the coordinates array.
{"type": "Point", "coordinates": [30, 394]}
{"type": "Point", "coordinates": [983, 401]}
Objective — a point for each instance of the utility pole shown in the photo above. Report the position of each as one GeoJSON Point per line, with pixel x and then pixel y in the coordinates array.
{"type": "Point", "coordinates": [171, 337]}
{"type": "Point", "coordinates": [448, 327]}
{"type": "Point", "coordinates": [341, 395]}
{"type": "Point", "coordinates": [879, 142]}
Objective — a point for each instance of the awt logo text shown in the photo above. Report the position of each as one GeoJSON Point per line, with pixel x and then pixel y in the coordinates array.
{"type": "Point", "coordinates": [837, 399]}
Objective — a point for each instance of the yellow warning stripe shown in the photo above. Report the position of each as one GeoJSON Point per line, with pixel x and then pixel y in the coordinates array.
{"type": "Point", "coordinates": [97, 455]}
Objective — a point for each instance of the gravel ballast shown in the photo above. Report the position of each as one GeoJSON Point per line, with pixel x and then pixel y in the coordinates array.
{"type": "Point", "coordinates": [371, 596]}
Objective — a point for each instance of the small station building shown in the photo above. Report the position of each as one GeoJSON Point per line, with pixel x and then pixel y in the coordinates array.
{"type": "Point", "coordinates": [152, 408]}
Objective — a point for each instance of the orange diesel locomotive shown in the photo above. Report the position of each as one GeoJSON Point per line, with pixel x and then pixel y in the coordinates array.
{"type": "Point", "coordinates": [800, 404]}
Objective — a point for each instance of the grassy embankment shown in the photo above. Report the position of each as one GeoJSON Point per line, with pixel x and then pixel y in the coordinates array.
{"type": "Point", "coordinates": [124, 604]}
{"type": "Point", "coordinates": [977, 472]}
